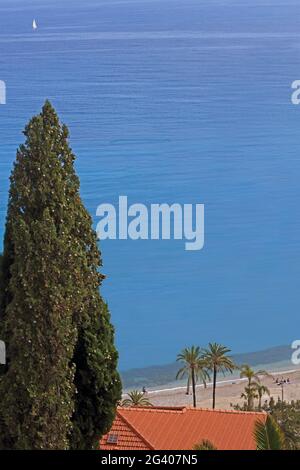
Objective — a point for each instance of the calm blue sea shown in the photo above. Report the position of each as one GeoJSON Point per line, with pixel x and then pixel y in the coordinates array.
{"type": "Point", "coordinates": [184, 101]}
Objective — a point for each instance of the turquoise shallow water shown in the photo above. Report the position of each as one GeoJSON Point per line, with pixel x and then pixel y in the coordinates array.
{"type": "Point", "coordinates": [171, 101]}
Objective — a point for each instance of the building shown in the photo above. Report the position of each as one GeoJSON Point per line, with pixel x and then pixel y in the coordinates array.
{"type": "Point", "coordinates": [158, 428]}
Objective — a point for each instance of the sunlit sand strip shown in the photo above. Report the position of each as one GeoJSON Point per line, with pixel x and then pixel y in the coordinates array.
{"type": "Point", "coordinates": [219, 382]}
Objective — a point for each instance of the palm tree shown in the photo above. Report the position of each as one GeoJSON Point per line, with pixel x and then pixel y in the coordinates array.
{"type": "Point", "coordinates": [261, 390]}
{"type": "Point", "coordinates": [205, 444]}
{"type": "Point", "coordinates": [250, 394]}
{"type": "Point", "coordinates": [268, 435]}
{"type": "Point", "coordinates": [217, 361]}
{"type": "Point", "coordinates": [193, 367]}
{"type": "Point", "coordinates": [252, 377]}
{"type": "Point", "coordinates": [136, 398]}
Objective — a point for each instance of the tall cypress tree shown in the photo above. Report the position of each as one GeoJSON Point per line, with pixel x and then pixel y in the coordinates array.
{"type": "Point", "coordinates": [97, 381]}
{"type": "Point", "coordinates": [57, 331]}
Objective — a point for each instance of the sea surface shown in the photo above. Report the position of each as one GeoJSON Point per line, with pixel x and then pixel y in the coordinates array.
{"type": "Point", "coordinates": [185, 101]}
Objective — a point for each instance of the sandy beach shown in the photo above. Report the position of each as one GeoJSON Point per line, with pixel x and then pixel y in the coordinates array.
{"type": "Point", "coordinates": [228, 391]}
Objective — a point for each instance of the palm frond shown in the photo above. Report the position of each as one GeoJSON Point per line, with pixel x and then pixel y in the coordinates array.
{"type": "Point", "coordinates": [268, 435]}
{"type": "Point", "coordinates": [136, 398]}
{"type": "Point", "coordinates": [205, 444]}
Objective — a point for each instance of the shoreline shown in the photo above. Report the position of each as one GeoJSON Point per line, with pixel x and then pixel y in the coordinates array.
{"type": "Point", "coordinates": [219, 382]}
{"type": "Point", "coordinates": [172, 387]}
{"type": "Point", "coordinates": [162, 376]}
{"type": "Point", "coordinates": [228, 392]}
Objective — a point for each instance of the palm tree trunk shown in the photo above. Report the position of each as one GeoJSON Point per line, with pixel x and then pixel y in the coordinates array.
{"type": "Point", "coordinates": [259, 403]}
{"type": "Point", "coordinates": [188, 386]}
{"type": "Point", "coordinates": [194, 387]}
{"type": "Point", "coordinates": [214, 387]}
{"type": "Point", "coordinates": [249, 395]}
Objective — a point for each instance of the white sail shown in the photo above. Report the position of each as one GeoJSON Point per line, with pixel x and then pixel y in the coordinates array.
{"type": "Point", "coordinates": [34, 25]}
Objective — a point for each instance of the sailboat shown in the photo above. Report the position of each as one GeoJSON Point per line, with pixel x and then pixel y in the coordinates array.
{"type": "Point", "coordinates": [34, 25]}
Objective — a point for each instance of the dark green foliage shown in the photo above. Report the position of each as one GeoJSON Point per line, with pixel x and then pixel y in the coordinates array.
{"type": "Point", "coordinates": [50, 301]}
{"type": "Point", "coordinates": [5, 262]}
{"type": "Point", "coordinates": [205, 444]}
{"type": "Point", "coordinates": [96, 379]}
{"type": "Point", "coordinates": [287, 415]}
{"type": "Point", "coordinates": [268, 435]}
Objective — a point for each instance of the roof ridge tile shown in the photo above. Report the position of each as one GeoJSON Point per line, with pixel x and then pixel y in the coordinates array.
{"type": "Point", "coordinates": [221, 410]}
{"type": "Point", "coordinates": [184, 409]}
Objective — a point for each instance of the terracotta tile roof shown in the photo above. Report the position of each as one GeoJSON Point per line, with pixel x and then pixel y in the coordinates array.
{"type": "Point", "coordinates": [181, 428]}
{"type": "Point", "coordinates": [127, 437]}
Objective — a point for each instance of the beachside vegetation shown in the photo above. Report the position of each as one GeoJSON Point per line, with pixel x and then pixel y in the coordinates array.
{"type": "Point", "coordinates": [261, 390]}
{"type": "Point", "coordinates": [252, 390]}
{"type": "Point", "coordinates": [268, 435]}
{"type": "Point", "coordinates": [193, 367]}
{"type": "Point", "coordinates": [205, 444]}
{"type": "Point", "coordinates": [287, 415]}
{"type": "Point", "coordinates": [199, 363]}
{"type": "Point", "coordinates": [217, 360]}
{"type": "Point", "coordinates": [136, 398]}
